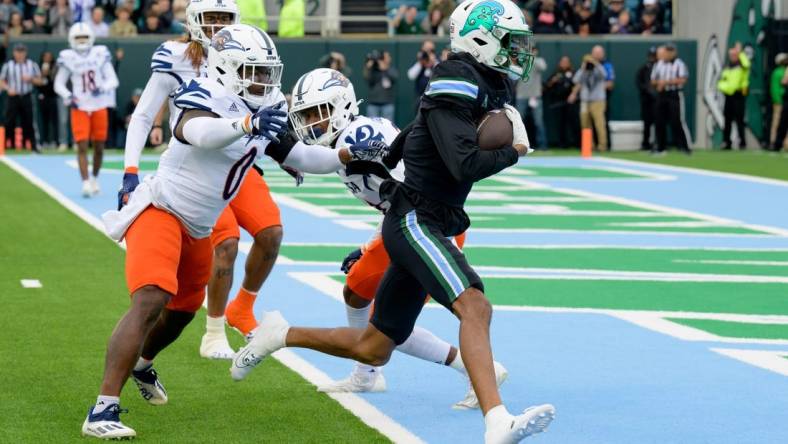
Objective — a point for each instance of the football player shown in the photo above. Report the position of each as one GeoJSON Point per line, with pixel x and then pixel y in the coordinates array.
{"type": "Point", "coordinates": [325, 112]}
{"type": "Point", "coordinates": [93, 84]}
{"type": "Point", "coordinates": [491, 45]}
{"type": "Point", "coordinates": [172, 64]}
{"type": "Point", "coordinates": [224, 123]}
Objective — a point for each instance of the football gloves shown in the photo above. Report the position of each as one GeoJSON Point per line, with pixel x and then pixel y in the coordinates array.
{"type": "Point", "coordinates": [269, 122]}
{"type": "Point", "coordinates": [369, 151]}
{"type": "Point", "coordinates": [130, 182]}
{"type": "Point", "coordinates": [519, 136]}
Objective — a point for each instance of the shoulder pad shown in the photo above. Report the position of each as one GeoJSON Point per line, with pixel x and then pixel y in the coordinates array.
{"type": "Point", "coordinates": [102, 53]}
{"type": "Point", "coordinates": [453, 78]}
{"type": "Point", "coordinates": [64, 57]}
{"type": "Point", "coordinates": [199, 93]}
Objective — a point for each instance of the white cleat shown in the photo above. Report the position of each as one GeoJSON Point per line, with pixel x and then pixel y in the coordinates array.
{"type": "Point", "coordinates": [94, 186]}
{"type": "Point", "coordinates": [87, 189]}
{"type": "Point", "coordinates": [268, 337]}
{"type": "Point", "coordinates": [369, 381]}
{"type": "Point", "coordinates": [516, 428]}
{"type": "Point", "coordinates": [107, 425]}
{"type": "Point", "coordinates": [471, 401]}
{"type": "Point", "coordinates": [149, 386]}
{"type": "Point", "coordinates": [215, 346]}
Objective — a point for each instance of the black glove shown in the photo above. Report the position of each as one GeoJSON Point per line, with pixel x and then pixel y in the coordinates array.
{"type": "Point", "coordinates": [350, 260]}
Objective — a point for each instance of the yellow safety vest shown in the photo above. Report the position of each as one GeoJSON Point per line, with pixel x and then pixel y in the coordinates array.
{"type": "Point", "coordinates": [735, 79]}
{"type": "Point", "coordinates": [253, 13]}
{"type": "Point", "coordinates": [291, 23]}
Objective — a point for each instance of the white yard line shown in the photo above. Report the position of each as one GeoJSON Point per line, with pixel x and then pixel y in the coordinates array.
{"type": "Point", "coordinates": [733, 262]}
{"type": "Point", "coordinates": [616, 232]}
{"type": "Point", "coordinates": [774, 361]}
{"type": "Point", "coordinates": [639, 175]}
{"type": "Point", "coordinates": [360, 408]}
{"type": "Point", "coordinates": [562, 247]}
{"type": "Point", "coordinates": [30, 283]}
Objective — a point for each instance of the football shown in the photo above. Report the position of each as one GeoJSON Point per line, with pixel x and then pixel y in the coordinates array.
{"type": "Point", "coordinates": [494, 130]}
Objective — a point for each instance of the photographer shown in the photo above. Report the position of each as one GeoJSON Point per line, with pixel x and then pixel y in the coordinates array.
{"type": "Point", "coordinates": [380, 77]}
{"type": "Point", "coordinates": [421, 71]}
{"type": "Point", "coordinates": [591, 85]}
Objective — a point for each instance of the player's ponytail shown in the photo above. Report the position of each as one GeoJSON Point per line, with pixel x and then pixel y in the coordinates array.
{"type": "Point", "coordinates": [194, 51]}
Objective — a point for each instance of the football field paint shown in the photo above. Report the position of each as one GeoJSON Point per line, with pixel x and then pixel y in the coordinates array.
{"type": "Point", "coordinates": [654, 328]}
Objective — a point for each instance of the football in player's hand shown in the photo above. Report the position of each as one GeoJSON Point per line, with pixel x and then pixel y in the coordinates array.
{"type": "Point", "coordinates": [494, 130]}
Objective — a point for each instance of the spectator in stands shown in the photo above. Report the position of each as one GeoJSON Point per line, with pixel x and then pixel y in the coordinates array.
{"type": "Point", "coordinates": [100, 28]}
{"type": "Point", "coordinates": [545, 19]}
{"type": "Point", "coordinates": [60, 18]}
{"type": "Point", "coordinates": [669, 76]}
{"type": "Point", "coordinates": [777, 90]}
{"type": "Point", "coordinates": [164, 9]}
{"type": "Point", "coordinates": [590, 85]}
{"type": "Point", "coordinates": [610, 22]}
{"type": "Point", "coordinates": [47, 101]}
{"type": "Point", "coordinates": [648, 97]}
{"type": "Point", "coordinates": [404, 22]}
{"type": "Point", "coordinates": [253, 13]}
{"type": "Point", "coordinates": [81, 10]}
{"type": "Point", "coordinates": [381, 78]}
{"type": "Point", "coordinates": [648, 24]}
{"type": "Point", "coordinates": [335, 60]}
{"type": "Point", "coordinates": [421, 71]}
{"type": "Point", "coordinates": [122, 26]}
{"type": "Point", "coordinates": [15, 27]}
{"type": "Point", "coordinates": [782, 126]}
{"type": "Point", "coordinates": [17, 78]}
{"type": "Point", "coordinates": [152, 23]}
{"type": "Point", "coordinates": [7, 8]}
{"type": "Point", "coordinates": [558, 89]}
{"type": "Point", "coordinates": [179, 16]}
{"type": "Point", "coordinates": [734, 84]}
{"type": "Point", "coordinates": [40, 25]}
{"type": "Point", "coordinates": [529, 100]}
{"type": "Point", "coordinates": [291, 19]}
{"type": "Point", "coordinates": [438, 13]}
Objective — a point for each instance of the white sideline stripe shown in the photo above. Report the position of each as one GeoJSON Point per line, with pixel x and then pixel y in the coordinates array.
{"type": "Point", "coordinates": [561, 247]}
{"type": "Point", "coordinates": [652, 320]}
{"type": "Point", "coordinates": [774, 361]}
{"type": "Point", "coordinates": [620, 232]}
{"type": "Point", "coordinates": [737, 176]}
{"type": "Point", "coordinates": [356, 224]}
{"type": "Point", "coordinates": [661, 208]}
{"type": "Point", "coordinates": [668, 224]}
{"type": "Point", "coordinates": [360, 408]}
{"type": "Point", "coordinates": [31, 283]}
{"type": "Point", "coordinates": [366, 412]}
{"type": "Point", "coordinates": [732, 262]}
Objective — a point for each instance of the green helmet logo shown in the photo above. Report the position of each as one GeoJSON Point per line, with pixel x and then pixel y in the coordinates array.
{"type": "Point", "coordinates": [484, 15]}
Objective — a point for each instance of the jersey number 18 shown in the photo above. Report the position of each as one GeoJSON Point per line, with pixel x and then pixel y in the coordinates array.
{"type": "Point", "coordinates": [88, 81]}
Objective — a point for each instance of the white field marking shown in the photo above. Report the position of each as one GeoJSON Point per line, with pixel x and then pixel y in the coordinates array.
{"type": "Point", "coordinates": [306, 207]}
{"type": "Point", "coordinates": [639, 175]}
{"type": "Point", "coordinates": [687, 224]}
{"type": "Point", "coordinates": [562, 247]}
{"type": "Point", "coordinates": [732, 262]}
{"type": "Point", "coordinates": [290, 185]}
{"type": "Point", "coordinates": [366, 412]}
{"type": "Point", "coordinates": [617, 232]}
{"type": "Point", "coordinates": [31, 283]}
{"type": "Point", "coordinates": [355, 224]}
{"type": "Point", "coordinates": [772, 360]}
{"type": "Point", "coordinates": [664, 209]}
{"type": "Point", "coordinates": [353, 403]}
{"type": "Point", "coordinates": [356, 206]}
{"type": "Point", "coordinates": [554, 210]}
{"type": "Point", "coordinates": [652, 320]}
{"type": "Point", "coordinates": [744, 177]}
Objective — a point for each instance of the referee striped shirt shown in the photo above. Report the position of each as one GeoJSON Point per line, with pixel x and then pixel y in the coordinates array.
{"type": "Point", "coordinates": [12, 73]}
{"type": "Point", "coordinates": [664, 70]}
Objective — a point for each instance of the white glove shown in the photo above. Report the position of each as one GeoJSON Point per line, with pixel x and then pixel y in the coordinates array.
{"type": "Point", "coordinates": [519, 136]}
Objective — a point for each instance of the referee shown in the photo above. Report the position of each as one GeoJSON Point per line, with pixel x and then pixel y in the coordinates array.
{"type": "Point", "coordinates": [668, 77]}
{"type": "Point", "coordinates": [17, 78]}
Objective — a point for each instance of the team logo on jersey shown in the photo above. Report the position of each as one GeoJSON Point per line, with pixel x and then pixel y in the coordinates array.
{"type": "Point", "coordinates": [233, 108]}
{"type": "Point", "coordinates": [337, 79]}
{"type": "Point", "coordinates": [223, 40]}
{"type": "Point", "coordinates": [484, 15]}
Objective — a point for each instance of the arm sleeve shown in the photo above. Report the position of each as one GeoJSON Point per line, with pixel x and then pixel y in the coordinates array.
{"type": "Point", "coordinates": [156, 92]}
{"type": "Point", "coordinates": [314, 159]}
{"type": "Point", "coordinates": [454, 133]}
{"type": "Point", "coordinates": [212, 133]}
{"type": "Point", "coordinates": [110, 78]}
{"type": "Point", "coordinates": [60, 83]}
{"type": "Point", "coordinates": [413, 71]}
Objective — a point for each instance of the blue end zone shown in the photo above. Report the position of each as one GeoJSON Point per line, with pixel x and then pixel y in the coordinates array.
{"type": "Point", "coordinates": [611, 381]}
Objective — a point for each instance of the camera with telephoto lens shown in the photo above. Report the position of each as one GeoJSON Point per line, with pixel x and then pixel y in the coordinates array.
{"type": "Point", "coordinates": [374, 56]}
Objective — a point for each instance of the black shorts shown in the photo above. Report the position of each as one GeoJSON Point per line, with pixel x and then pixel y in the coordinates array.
{"type": "Point", "coordinates": [423, 261]}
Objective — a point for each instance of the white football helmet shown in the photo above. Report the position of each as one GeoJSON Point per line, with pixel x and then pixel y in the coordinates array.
{"type": "Point", "coordinates": [494, 32]}
{"type": "Point", "coordinates": [195, 17]}
{"type": "Point", "coordinates": [334, 99]}
{"type": "Point", "coordinates": [81, 37]}
{"type": "Point", "coordinates": [245, 61]}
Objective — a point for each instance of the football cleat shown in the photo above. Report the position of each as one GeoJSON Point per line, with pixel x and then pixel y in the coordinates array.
{"type": "Point", "coordinates": [516, 428]}
{"type": "Point", "coordinates": [471, 401]}
{"type": "Point", "coordinates": [369, 381]}
{"type": "Point", "coordinates": [215, 346]}
{"type": "Point", "coordinates": [149, 385]}
{"type": "Point", "coordinates": [94, 186]}
{"type": "Point", "coordinates": [107, 425]}
{"type": "Point", "coordinates": [268, 338]}
{"type": "Point", "coordinates": [87, 189]}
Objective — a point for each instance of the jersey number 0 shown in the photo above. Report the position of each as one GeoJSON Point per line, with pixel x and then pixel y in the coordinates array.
{"type": "Point", "coordinates": [237, 173]}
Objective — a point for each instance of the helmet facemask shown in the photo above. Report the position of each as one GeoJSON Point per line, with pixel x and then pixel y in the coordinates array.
{"type": "Point", "coordinates": [257, 81]}
{"type": "Point", "coordinates": [515, 58]}
{"type": "Point", "coordinates": [82, 43]}
{"type": "Point", "coordinates": [205, 24]}
{"type": "Point", "coordinates": [308, 124]}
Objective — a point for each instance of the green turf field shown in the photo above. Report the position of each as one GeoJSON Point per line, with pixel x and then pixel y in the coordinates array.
{"type": "Point", "coordinates": [54, 338]}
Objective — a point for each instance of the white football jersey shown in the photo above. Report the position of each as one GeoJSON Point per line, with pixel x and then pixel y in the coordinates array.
{"type": "Point", "coordinates": [195, 184]}
{"type": "Point", "coordinates": [89, 73]}
{"type": "Point", "coordinates": [170, 58]}
{"type": "Point", "coordinates": [364, 184]}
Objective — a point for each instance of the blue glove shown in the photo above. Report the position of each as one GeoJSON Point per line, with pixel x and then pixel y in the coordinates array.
{"type": "Point", "coordinates": [369, 151]}
{"type": "Point", "coordinates": [130, 182]}
{"type": "Point", "coordinates": [350, 260]}
{"type": "Point", "coordinates": [269, 122]}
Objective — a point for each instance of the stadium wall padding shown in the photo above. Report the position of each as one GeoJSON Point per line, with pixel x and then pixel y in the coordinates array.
{"type": "Point", "coordinates": [299, 56]}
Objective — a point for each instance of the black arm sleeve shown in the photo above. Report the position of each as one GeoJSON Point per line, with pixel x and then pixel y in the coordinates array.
{"type": "Point", "coordinates": [454, 134]}
{"type": "Point", "coordinates": [279, 151]}
{"type": "Point", "coordinates": [396, 149]}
